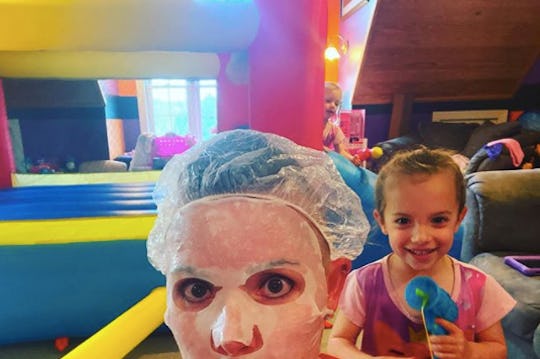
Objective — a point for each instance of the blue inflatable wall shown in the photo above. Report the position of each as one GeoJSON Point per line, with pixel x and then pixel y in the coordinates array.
{"type": "Point", "coordinates": [71, 289]}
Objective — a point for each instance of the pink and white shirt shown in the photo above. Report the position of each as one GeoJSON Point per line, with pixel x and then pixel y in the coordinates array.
{"type": "Point", "coordinates": [391, 327]}
{"type": "Point", "coordinates": [332, 136]}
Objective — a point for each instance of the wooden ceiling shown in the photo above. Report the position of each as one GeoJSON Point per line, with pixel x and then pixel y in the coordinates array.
{"type": "Point", "coordinates": [448, 50]}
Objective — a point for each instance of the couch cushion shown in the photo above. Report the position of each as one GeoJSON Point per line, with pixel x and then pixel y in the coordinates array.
{"type": "Point", "coordinates": [524, 318]}
{"type": "Point", "coordinates": [503, 212]}
{"type": "Point", "coordinates": [452, 136]}
{"type": "Point", "coordinates": [488, 132]}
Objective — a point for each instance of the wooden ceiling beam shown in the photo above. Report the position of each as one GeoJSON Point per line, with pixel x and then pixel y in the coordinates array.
{"type": "Point", "coordinates": [401, 115]}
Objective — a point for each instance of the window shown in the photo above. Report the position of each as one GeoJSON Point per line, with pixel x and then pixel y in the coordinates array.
{"type": "Point", "coordinates": [182, 107]}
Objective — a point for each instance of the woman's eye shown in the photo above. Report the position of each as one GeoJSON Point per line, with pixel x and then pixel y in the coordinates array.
{"type": "Point", "coordinates": [195, 290]}
{"type": "Point", "coordinates": [276, 286]}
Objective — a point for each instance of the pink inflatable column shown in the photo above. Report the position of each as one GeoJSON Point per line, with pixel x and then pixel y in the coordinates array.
{"type": "Point", "coordinates": [6, 155]}
{"type": "Point", "coordinates": [286, 62]}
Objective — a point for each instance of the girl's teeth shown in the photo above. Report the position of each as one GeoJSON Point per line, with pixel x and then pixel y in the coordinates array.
{"type": "Point", "coordinates": [421, 252]}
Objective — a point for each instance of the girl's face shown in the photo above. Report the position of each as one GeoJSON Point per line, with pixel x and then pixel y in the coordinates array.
{"type": "Point", "coordinates": [332, 101]}
{"type": "Point", "coordinates": [247, 279]}
{"type": "Point", "coordinates": [420, 219]}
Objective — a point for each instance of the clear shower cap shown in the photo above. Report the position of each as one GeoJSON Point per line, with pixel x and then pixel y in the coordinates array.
{"type": "Point", "coordinates": [256, 164]}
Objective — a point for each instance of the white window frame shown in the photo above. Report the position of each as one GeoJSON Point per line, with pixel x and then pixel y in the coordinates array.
{"type": "Point", "coordinates": [144, 104]}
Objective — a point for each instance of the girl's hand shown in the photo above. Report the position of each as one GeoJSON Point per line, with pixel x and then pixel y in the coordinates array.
{"type": "Point", "coordinates": [356, 160]}
{"type": "Point", "coordinates": [450, 346]}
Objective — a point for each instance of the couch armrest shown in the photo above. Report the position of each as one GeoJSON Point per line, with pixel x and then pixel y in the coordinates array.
{"type": "Point", "coordinates": [536, 341]}
{"type": "Point", "coordinates": [502, 215]}
{"type": "Point", "coordinates": [481, 162]}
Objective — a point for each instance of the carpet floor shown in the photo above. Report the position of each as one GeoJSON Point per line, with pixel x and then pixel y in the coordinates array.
{"type": "Point", "coordinates": [156, 346]}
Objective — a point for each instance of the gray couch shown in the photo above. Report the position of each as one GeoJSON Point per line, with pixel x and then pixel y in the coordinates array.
{"type": "Point", "coordinates": [466, 139]}
{"type": "Point", "coordinates": [504, 219]}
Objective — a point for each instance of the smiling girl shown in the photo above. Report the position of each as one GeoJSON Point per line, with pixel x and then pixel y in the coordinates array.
{"type": "Point", "coordinates": [420, 198]}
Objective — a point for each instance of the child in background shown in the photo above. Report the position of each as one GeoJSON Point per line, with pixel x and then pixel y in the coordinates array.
{"type": "Point", "coordinates": [420, 203]}
{"type": "Point", "coordinates": [333, 137]}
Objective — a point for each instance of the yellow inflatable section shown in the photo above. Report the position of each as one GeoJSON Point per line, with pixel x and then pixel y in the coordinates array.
{"type": "Point", "coordinates": [97, 229]}
{"type": "Point", "coordinates": [124, 333]}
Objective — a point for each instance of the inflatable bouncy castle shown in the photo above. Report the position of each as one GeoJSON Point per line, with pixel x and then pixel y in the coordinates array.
{"type": "Point", "coordinates": [73, 256]}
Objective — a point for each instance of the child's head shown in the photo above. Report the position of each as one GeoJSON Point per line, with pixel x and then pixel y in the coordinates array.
{"type": "Point", "coordinates": [420, 198]}
{"type": "Point", "coordinates": [332, 99]}
{"type": "Point", "coordinates": [421, 161]}
{"type": "Point", "coordinates": [247, 225]}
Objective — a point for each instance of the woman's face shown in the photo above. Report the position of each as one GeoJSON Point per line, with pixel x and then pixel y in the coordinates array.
{"type": "Point", "coordinates": [246, 279]}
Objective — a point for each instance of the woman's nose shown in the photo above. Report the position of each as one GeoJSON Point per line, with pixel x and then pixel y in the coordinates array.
{"type": "Point", "coordinates": [234, 331]}
{"type": "Point", "coordinates": [235, 348]}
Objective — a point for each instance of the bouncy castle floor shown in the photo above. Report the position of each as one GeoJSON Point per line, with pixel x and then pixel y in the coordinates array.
{"type": "Point", "coordinates": [158, 346]}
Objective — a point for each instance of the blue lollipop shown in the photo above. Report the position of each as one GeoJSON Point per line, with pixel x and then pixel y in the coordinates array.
{"type": "Point", "coordinates": [423, 294]}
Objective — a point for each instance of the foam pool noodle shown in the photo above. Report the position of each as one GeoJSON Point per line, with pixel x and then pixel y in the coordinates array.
{"type": "Point", "coordinates": [423, 292]}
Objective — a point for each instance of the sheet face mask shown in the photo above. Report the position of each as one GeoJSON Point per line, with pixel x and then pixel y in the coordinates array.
{"type": "Point", "coordinates": [246, 279]}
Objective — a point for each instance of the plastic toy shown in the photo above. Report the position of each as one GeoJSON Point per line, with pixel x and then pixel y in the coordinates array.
{"type": "Point", "coordinates": [170, 144]}
{"type": "Point", "coordinates": [423, 294]}
{"type": "Point", "coordinates": [42, 166]}
{"type": "Point", "coordinates": [61, 343]}
{"type": "Point", "coordinates": [367, 153]}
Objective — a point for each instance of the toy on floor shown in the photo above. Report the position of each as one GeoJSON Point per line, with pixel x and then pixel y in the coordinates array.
{"type": "Point", "coordinates": [61, 343]}
{"type": "Point", "coordinates": [423, 294]}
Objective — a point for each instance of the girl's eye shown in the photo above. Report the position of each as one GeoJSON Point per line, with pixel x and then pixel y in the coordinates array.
{"type": "Point", "coordinates": [194, 290]}
{"type": "Point", "coordinates": [440, 220]}
{"type": "Point", "coordinates": [402, 221]}
{"type": "Point", "coordinates": [275, 286]}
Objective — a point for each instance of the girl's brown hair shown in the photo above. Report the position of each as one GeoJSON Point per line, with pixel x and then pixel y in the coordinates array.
{"type": "Point", "coordinates": [421, 160]}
